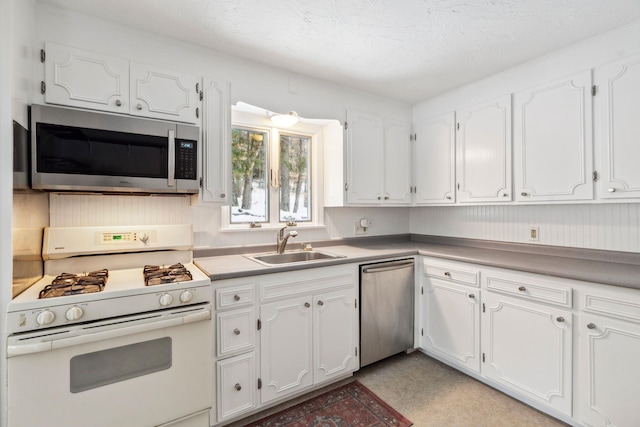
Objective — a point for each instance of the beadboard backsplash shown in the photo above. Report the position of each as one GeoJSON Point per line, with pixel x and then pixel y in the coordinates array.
{"type": "Point", "coordinates": [595, 226]}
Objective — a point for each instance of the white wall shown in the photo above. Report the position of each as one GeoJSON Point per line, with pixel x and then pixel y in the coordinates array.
{"type": "Point", "coordinates": [611, 226]}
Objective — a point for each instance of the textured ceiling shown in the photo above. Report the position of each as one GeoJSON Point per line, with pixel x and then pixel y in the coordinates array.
{"type": "Point", "coordinates": [408, 50]}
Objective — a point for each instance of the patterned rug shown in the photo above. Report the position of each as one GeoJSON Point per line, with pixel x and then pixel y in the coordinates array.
{"type": "Point", "coordinates": [350, 405]}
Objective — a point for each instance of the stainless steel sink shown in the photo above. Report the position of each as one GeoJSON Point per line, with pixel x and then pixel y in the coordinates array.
{"type": "Point", "coordinates": [271, 259]}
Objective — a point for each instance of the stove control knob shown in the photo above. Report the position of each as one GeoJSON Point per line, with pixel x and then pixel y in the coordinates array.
{"type": "Point", "coordinates": [74, 313]}
{"type": "Point", "coordinates": [186, 296]}
{"type": "Point", "coordinates": [45, 317]}
{"type": "Point", "coordinates": [143, 237]}
{"type": "Point", "coordinates": [165, 300]}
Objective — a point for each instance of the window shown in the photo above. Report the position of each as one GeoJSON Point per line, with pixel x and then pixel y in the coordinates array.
{"type": "Point", "coordinates": [271, 180]}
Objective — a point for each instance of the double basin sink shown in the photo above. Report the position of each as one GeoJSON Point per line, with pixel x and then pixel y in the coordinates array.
{"type": "Point", "coordinates": [285, 258]}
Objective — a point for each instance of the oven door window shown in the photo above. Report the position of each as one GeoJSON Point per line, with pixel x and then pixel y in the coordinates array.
{"type": "Point", "coordinates": [100, 368]}
{"type": "Point", "coordinates": [74, 150]}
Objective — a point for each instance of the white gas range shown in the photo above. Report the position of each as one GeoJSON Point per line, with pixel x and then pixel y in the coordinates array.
{"type": "Point", "coordinates": [120, 312]}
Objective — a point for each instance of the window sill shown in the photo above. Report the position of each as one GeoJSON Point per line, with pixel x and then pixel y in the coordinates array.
{"type": "Point", "coordinates": [270, 228]}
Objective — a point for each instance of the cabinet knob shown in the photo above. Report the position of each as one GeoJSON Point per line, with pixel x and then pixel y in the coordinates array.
{"type": "Point", "coordinates": [386, 197]}
{"type": "Point", "coordinates": [118, 103]}
{"type": "Point", "coordinates": [320, 303]}
{"type": "Point", "coordinates": [236, 297]}
{"type": "Point", "coordinates": [505, 195]}
{"type": "Point", "coordinates": [379, 198]}
{"type": "Point", "coordinates": [611, 190]}
{"type": "Point", "coordinates": [446, 273]}
{"type": "Point", "coordinates": [448, 197]}
{"type": "Point", "coordinates": [524, 193]}
{"type": "Point", "coordinates": [306, 304]}
{"type": "Point", "coordinates": [238, 387]}
{"type": "Point", "coordinates": [139, 106]}
{"type": "Point", "coordinates": [222, 195]}
{"type": "Point", "coordinates": [591, 325]}
{"type": "Point", "coordinates": [522, 289]}
{"type": "Point", "coordinates": [560, 319]}
{"type": "Point", "coordinates": [472, 296]}
{"type": "Point", "coordinates": [236, 331]}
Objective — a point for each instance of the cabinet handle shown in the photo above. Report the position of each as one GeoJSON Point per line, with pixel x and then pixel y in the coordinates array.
{"type": "Point", "coordinates": [591, 325]}
{"type": "Point", "coordinates": [472, 296]}
{"type": "Point", "coordinates": [522, 289]}
{"type": "Point", "coordinates": [139, 106]}
{"type": "Point", "coordinates": [238, 387]}
{"type": "Point", "coordinates": [236, 331]}
{"type": "Point", "coordinates": [118, 103]}
{"type": "Point", "coordinates": [524, 193]}
{"type": "Point", "coordinates": [320, 303]}
{"type": "Point", "coordinates": [306, 304]}
{"type": "Point", "coordinates": [560, 319]}
{"type": "Point", "coordinates": [236, 297]}
{"type": "Point", "coordinates": [611, 190]}
{"type": "Point", "coordinates": [446, 273]}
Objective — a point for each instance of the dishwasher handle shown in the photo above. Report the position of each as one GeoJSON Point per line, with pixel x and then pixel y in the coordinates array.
{"type": "Point", "coordinates": [388, 266]}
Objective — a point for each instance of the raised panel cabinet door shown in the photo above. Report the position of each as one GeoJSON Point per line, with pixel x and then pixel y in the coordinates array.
{"type": "Point", "coordinates": [608, 371]}
{"type": "Point", "coordinates": [617, 103]}
{"type": "Point", "coordinates": [216, 141]}
{"type": "Point", "coordinates": [452, 322]}
{"type": "Point", "coordinates": [527, 348]}
{"type": "Point", "coordinates": [236, 385]}
{"type": "Point", "coordinates": [236, 331]}
{"type": "Point", "coordinates": [285, 347]}
{"type": "Point", "coordinates": [434, 161]}
{"type": "Point", "coordinates": [365, 163]}
{"type": "Point", "coordinates": [163, 94]}
{"type": "Point", "coordinates": [335, 334]}
{"type": "Point", "coordinates": [483, 152]}
{"type": "Point", "coordinates": [397, 163]}
{"type": "Point", "coordinates": [79, 78]}
{"type": "Point", "coordinates": [553, 142]}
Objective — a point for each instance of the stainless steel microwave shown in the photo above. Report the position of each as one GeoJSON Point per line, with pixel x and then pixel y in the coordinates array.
{"type": "Point", "coordinates": [74, 150]}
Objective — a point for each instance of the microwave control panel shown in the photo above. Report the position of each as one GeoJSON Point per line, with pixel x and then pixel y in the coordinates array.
{"type": "Point", "coordinates": [186, 159]}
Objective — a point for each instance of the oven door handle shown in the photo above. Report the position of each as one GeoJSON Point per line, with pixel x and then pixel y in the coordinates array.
{"type": "Point", "coordinates": [28, 348]}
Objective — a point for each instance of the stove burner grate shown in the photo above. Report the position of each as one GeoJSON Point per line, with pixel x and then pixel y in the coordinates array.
{"type": "Point", "coordinates": [155, 275]}
{"type": "Point", "coordinates": [71, 284]}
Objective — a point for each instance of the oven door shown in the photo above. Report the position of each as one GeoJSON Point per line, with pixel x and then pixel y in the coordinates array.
{"type": "Point", "coordinates": [143, 370]}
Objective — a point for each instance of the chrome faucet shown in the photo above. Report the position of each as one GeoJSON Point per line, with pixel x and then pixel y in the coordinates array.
{"type": "Point", "coordinates": [281, 239]}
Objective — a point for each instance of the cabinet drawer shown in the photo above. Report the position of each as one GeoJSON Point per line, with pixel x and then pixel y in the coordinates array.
{"type": "Point", "coordinates": [236, 331]}
{"type": "Point", "coordinates": [236, 385]}
{"type": "Point", "coordinates": [236, 296]}
{"type": "Point", "coordinates": [452, 273]}
{"type": "Point", "coordinates": [530, 287]}
{"type": "Point", "coordinates": [623, 304]}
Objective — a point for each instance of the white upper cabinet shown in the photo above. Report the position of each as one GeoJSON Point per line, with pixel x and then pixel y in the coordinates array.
{"type": "Point", "coordinates": [483, 160]}
{"type": "Point", "coordinates": [163, 94]}
{"type": "Point", "coordinates": [216, 141]}
{"type": "Point", "coordinates": [433, 160]}
{"type": "Point", "coordinates": [553, 150]}
{"type": "Point", "coordinates": [83, 79]}
{"type": "Point", "coordinates": [377, 160]}
{"type": "Point", "coordinates": [86, 79]}
{"type": "Point", "coordinates": [618, 86]}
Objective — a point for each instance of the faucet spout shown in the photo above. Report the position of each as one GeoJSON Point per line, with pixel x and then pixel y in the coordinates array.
{"type": "Point", "coordinates": [281, 239]}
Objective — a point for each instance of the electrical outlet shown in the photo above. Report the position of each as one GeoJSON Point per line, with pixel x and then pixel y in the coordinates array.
{"type": "Point", "coordinates": [534, 233]}
{"type": "Point", "coordinates": [359, 229]}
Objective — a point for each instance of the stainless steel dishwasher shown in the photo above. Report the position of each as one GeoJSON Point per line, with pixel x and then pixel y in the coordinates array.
{"type": "Point", "coordinates": [386, 309]}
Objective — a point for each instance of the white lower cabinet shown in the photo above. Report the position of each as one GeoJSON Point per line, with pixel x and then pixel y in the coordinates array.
{"type": "Point", "coordinates": [236, 385]}
{"type": "Point", "coordinates": [307, 340]}
{"type": "Point", "coordinates": [527, 347]}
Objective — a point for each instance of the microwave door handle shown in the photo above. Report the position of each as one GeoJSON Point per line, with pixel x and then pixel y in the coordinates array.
{"type": "Point", "coordinates": [171, 178]}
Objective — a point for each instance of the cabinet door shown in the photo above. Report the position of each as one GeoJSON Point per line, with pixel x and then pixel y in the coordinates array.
{"type": "Point", "coordinates": [236, 331]}
{"type": "Point", "coordinates": [452, 322]}
{"type": "Point", "coordinates": [79, 78]}
{"type": "Point", "coordinates": [609, 372]}
{"type": "Point", "coordinates": [527, 347]}
{"type": "Point", "coordinates": [335, 334]}
{"type": "Point", "coordinates": [216, 141]}
{"type": "Point", "coordinates": [236, 385]}
{"type": "Point", "coordinates": [397, 165]}
{"type": "Point", "coordinates": [285, 346]}
{"type": "Point", "coordinates": [162, 94]}
{"type": "Point", "coordinates": [483, 165]}
{"type": "Point", "coordinates": [553, 148]}
{"type": "Point", "coordinates": [365, 163]}
{"type": "Point", "coordinates": [434, 161]}
{"type": "Point", "coordinates": [618, 85]}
